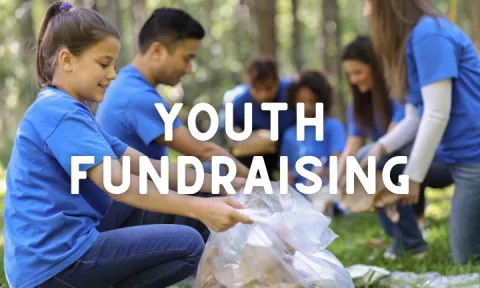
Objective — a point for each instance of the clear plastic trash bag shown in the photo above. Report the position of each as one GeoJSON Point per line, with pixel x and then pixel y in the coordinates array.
{"type": "Point", "coordinates": [284, 247]}
{"type": "Point", "coordinates": [430, 280]}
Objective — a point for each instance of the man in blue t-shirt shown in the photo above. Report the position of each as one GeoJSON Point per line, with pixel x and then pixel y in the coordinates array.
{"type": "Point", "coordinates": [167, 43]}
{"type": "Point", "coordinates": [264, 85]}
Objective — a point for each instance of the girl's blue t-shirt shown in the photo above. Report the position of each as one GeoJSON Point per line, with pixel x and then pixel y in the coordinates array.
{"type": "Point", "coordinates": [438, 50]}
{"type": "Point", "coordinates": [334, 139]}
{"type": "Point", "coordinates": [354, 130]}
{"type": "Point", "coordinates": [47, 228]}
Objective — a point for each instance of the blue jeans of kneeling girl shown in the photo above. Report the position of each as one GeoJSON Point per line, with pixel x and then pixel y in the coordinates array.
{"type": "Point", "coordinates": [139, 248]}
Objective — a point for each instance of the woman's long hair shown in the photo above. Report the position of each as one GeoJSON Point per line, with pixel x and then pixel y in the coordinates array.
{"type": "Point", "coordinates": [391, 24]}
{"type": "Point", "coordinates": [375, 104]}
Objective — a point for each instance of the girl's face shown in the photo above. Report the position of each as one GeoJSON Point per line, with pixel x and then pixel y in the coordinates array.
{"type": "Point", "coordinates": [359, 74]}
{"type": "Point", "coordinates": [90, 73]}
{"type": "Point", "coordinates": [308, 98]}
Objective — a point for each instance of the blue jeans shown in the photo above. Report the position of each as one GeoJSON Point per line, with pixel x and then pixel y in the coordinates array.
{"type": "Point", "coordinates": [465, 214]}
{"type": "Point", "coordinates": [139, 248]}
{"type": "Point", "coordinates": [131, 253]}
{"type": "Point", "coordinates": [406, 233]}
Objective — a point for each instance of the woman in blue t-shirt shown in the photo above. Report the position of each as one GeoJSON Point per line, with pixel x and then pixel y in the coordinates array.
{"type": "Point", "coordinates": [370, 115]}
{"type": "Point", "coordinates": [53, 233]}
{"type": "Point", "coordinates": [310, 88]}
{"type": "Point", "coordinates": [432, 61]}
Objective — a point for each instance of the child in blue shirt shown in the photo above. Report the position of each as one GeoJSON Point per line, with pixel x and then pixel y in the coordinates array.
{"type": "Point", "coordinates": [311, 88]}
{"type": "Point", "coordinates": [439, 73]}
{"type": "Point", "coordinates": [263, 85]}
{"type": "Point", "coordinates": [52, 236]}
{"type": "Point", "coordinates": [370, 116]}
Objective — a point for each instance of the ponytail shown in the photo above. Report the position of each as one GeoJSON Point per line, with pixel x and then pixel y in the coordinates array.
{"type": "Point", "coordinates": [52, 10]}
{"type": "Point", "coordinates": [75, 29]}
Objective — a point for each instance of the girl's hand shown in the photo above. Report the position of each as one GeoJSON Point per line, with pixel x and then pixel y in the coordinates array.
{"type": "Point", "coordinates": [220, 213]}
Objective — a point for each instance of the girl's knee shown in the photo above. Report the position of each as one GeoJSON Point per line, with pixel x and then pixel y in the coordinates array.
{"type": "Point", "coordinates": [195, 244]}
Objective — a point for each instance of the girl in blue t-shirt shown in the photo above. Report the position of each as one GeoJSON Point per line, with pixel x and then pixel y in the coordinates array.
{"type": "Point", "coordinates": [432, 61]}
{"type": "Point", "coordinates": [55, 237]}
{"type": "Point", "coordinates": [370, 116]}
{"type": "Point", "coordinates": [310, 88]}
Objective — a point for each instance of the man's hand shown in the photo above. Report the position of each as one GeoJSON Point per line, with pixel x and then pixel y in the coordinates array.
{"type": "Point", "coordinates": [258, 143]}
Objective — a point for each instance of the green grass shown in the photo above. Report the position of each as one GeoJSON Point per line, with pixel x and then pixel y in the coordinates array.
{"type": "Point", "coordinates": [355, 231]}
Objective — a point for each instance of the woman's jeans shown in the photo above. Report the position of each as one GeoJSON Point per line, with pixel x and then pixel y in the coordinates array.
{"type": "Point", "coordinates": [465, 215]}
{"type": "Point", "coordinates": [407, 236]}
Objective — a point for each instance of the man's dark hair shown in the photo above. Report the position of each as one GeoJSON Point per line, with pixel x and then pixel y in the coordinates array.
{"type": "Point", "coordinates": [168, 26]}
{"type": "Point", "coordinates": [318, 83]}
{"type": "Point", "coordinates": [262, 68]}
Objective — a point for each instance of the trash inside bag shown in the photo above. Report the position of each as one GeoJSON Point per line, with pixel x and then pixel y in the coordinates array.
{"type": "Point", "coordinates": [284, 247]}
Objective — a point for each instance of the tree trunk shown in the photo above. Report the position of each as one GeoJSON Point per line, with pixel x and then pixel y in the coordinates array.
{"type": "Point", "coordinates": [267, 38]}
{"type": "Point", "coordinates": [296, 38]}
{"type": "Point", "coordinates": [89, 4]}
{"type": "Point", "coordinates": [26, 39]}
{"type": "Point", "coordinates": [246, 32]}
{"type": "Point", "coordinates": [331, 46]}
{"type": "Point", "coordinates": [138, 16]}
{"type": "Point", "coordinates": [113, 12]}
{"type": "Point", "coordinates": [472, 9]}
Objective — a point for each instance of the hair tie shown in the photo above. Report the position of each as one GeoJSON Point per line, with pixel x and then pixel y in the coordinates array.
{"type": "Point", "coordinates": [65, 7]}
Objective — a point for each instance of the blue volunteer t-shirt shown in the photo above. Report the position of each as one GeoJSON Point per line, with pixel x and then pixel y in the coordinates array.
{"type": "Point", "coordinates": [437, 51]}
{"type": "Point", "coordinates": [47, 228]}
{"type": "Point", "coordinates": [398, 113]}
{"type": "Point", "coordinates": [261, 118]}
{"type": "Point", "coordinates": [228, 97]}
{"type": "Point", "coordinates": [128, 112]}
{"type": "Point", "coordinates": [334, 138]}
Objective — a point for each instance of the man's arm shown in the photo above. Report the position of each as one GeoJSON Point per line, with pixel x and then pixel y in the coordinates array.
{"type": "Point", "coordinates": [190, 174]}
{"type": "Point", "coordinates": [184, 142]}
{"type": "Point", "coordinates": [259, 143]}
